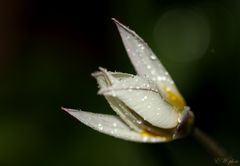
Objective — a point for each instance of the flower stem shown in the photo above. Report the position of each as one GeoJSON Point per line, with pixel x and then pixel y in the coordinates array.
{"type": "Point", "coordinates": [221, 157]}
{"type": "Point", "coordinates": [212, 147]}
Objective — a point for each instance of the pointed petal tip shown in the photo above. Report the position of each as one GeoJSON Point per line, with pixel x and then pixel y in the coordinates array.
{"type": "Point", "coordinates": [106, 92]}
{"type": "Point", "coordinates": [100, 93]}
{"type": "Point", "coordinates": [120, 25]}
{"type": "Point", "coordinates": [116, 21]}
{"type": "Point", "coordinates": [113, 19]}
{"type": "Point", "coordinates": [97, 73]}
{"type": "Point", "coordinates": [94, 74]}
{"type": "Point", "coordinates": [64, 109]}
{"type": "Point", "coordinates": [111, 125]}
{"type": "Point", "coordinates": [135, 45]}
{"type": "Point", "coordinates": [68, 110]}
{"type": "Point", "coordinates": [102, 69]}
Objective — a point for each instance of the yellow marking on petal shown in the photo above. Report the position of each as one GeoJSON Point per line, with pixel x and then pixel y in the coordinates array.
{"type": "Point", "coordinates": [147, 134]}
{"type": "Point", "coordinates": [173, 98]}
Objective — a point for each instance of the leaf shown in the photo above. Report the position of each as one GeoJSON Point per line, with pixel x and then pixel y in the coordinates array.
{"type": "Point", "coordinates": [112, 125]}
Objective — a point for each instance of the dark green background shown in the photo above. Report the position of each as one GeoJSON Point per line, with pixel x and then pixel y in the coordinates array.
{"type": "Point", "coordinates": [48, 49]}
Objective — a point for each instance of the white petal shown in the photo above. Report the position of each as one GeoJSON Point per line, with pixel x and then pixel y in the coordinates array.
{"type": "Point", "coordinates": [111, 125]}
{"type": "Point", "coordinates": [143, 97]}
{"type": "Point", "coordinates": [106, 78]}
{"type": "Point", "coordinates": [142, 57]}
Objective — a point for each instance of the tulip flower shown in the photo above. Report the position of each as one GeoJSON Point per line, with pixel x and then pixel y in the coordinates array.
{"type": "Point", "coordinates": [148, 106]}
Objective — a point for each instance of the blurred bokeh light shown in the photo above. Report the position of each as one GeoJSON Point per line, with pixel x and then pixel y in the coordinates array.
{"type": "Point", "coordinates": [49, 48]}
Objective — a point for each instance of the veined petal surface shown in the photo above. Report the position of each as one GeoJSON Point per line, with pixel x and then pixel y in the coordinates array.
{"type": "Point", "coordinates": [112, 125]}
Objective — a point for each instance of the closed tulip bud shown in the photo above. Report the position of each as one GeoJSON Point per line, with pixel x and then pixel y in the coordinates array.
{"type": "Point", "coordinates": [148, 105]}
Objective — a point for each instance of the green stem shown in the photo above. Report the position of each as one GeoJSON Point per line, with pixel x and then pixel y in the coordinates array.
{"type": "Point", "coordinates": [211, 145]}
{"type": "Point", "coordinates": [221, 157]}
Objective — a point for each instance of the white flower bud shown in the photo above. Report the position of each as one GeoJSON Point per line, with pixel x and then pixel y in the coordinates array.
{"type": "Point", "coordinates": [149, 105]}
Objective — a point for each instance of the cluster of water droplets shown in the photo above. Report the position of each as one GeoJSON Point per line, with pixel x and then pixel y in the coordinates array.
{"type": "Point", "coordinates": [143, 57]}
{"type": "Point", "coordinates": [100, 127]}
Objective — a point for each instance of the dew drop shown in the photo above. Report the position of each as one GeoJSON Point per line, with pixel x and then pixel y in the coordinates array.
{"type": "Point", "coordinates": [153, 57]}
{"type": "Point", "coordinates": [100, 127]}
{"type": "Point", "coordinates": [144, 98]}
{"type": "Point", "coordinates": [139, 122]}
{"type": "Point", "coordinates": [166, 73]}
{"type": "Point", "coordinates": [114, 124]}
{"type": "Point", "coordinates": [159, 78]}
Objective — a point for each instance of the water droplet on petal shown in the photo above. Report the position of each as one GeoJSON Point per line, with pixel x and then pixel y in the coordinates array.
{"type": "Point", "coordinates": [114, 124]}
{"type": "Point", "coordinates": [144, 98]}
{"type": "Point", "coordinates": [100, 127]}
{"type": "Point", "coordinates": [153, 57]}
{"type": "Point", "coordinates": [166, 73]}
{"type": "Point", "coordinates": [139, 122]}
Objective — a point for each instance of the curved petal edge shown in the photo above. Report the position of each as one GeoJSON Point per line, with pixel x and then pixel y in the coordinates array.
{"type": "Point", "coordinates": [112, 125]}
